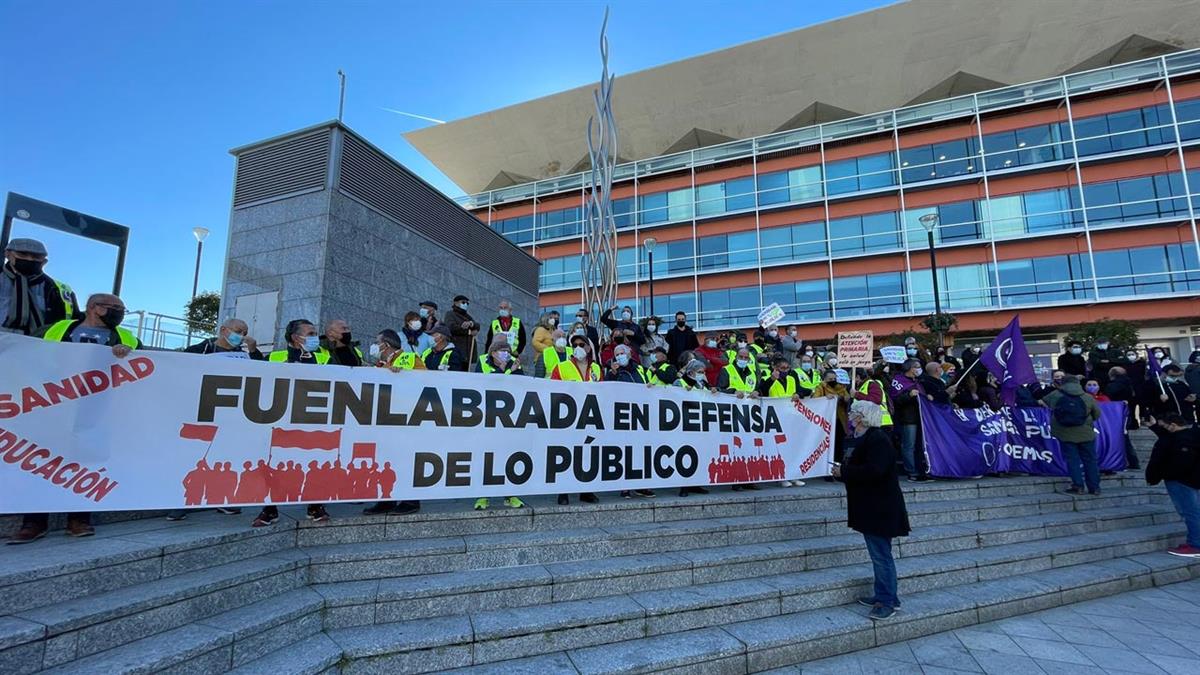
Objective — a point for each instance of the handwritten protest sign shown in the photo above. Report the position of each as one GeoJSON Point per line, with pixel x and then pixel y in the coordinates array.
{"type": "Point", "coordinates": [855, 348]}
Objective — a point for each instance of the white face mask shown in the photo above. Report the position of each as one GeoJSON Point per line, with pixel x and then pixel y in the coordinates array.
{"type": "Point", "coordinates": [832, 362]}
{"type": "Point", "coordinates": [773, 333]}
{"type": "Point", "coordinates": [792, 333]}
{"type": "Point", "coordinates": [1076, 351]}
{"type": "Point", "coordinates": [504, 313]}
{"type": "Point", "coordinates": [560, 342]}
{"type": "Point", "coordinates": [375, 351]}
{"type": "Point", "coordinates": [1102, 345]}
{"type": "Point", "coordinates": [622, 359]}
{"type": "Point", "coordinates": [651, 327]}
{"type": "Point", "coordinates": [415, 324]}
{"type": "Point", "coordinates": [502, 357]}
{"type": "Point", "coordinates": [1131, 357]}
{"type": "Point", "coordinates": [711, 344]}
{"type": "Point", "coordinates": [423, 312]}
{"type": "Point", "coordinates": [627, 315]}
{"type": "Point", "coordinates": [553, 321]}
{"type": "Point", "coordinates": [464, 305]}
{"type": "Point", "coordinates": [580, 353]}
{"type": "Point", "coordinates": [741, 344]}
{"type": "Point", "coordinates": [742, 363]}
{"type": "Point", "coordinates": [578, 331]}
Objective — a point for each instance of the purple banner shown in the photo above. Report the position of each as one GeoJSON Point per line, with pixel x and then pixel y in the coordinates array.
{"type": "Point", "coordinates": [961, 443]}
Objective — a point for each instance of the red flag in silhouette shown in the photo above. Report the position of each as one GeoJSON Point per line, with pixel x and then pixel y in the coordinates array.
{"type": "Point", "coordinates": [363, 451]}
{"type": "Point", "coordinates": [724, 450]}
{"type": "Point", "coordinates": [305, 440]}
{"type": "Point", "coordinates": [780, 439]}
{"type": "Point", "coordinates": [198, 432]}
{"type": "Point", "coordinates": [758, 442]}
{"type": "Point", "coordinates": [737, 441]}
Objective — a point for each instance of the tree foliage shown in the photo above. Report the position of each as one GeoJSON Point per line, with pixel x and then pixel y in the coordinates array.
{"type": "Point", "coordinates": [201, 312]}
{"type": "Point", "coordinates": [1121, 334]}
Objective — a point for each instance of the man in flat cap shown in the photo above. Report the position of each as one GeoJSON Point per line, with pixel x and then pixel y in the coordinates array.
{"type": "Point", "coordinates": [30, 299]}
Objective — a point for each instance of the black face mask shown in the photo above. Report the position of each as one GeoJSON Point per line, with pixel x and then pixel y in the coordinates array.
{"type": "Point", "coordinates": [113, 318]}
{"type": "Point", "coordinates": [681, 322]}
{"type": "Point", "coordinates": [27, 268]}
{"type": "Point", "coordinates": [620, 339]}
{"type": "Point", "coordinates": [346, 337]}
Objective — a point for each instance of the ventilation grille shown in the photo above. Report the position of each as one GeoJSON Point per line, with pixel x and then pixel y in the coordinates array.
{"type": "Point", "coordinates": [297, 165]}
{"type": "Point", "coordinates": [385, 186]}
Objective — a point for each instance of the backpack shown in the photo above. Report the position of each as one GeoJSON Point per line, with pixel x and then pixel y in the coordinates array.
{"type": "Point", "coordinates": [1070, 410]}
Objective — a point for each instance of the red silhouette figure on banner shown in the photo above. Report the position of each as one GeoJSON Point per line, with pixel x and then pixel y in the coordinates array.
{"type": "Point", "coordinates": [277, 484]}
{"type": "Point", "coordinates": [387, 480]}
{"type": "Point", "coordinates": [308, 490]}
{"type": "Point", "coordinates": [194, 483]}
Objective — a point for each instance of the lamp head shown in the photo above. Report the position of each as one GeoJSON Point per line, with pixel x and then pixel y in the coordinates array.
{"type": "Point", "coordinates": [649, 244]}
{"type": "Point", "coordinates": [929, 221]}
{"type": "Point", "coordinates": [201, 233]}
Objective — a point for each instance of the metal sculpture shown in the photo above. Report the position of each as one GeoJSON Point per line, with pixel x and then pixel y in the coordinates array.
{"type": "Point", "coordinates": [600, 229]}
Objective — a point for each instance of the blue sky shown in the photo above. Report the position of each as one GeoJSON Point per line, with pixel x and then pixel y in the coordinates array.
{"type": "Point", "coordinates": [127, 110]}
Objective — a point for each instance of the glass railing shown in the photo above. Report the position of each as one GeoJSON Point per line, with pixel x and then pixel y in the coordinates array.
{"type": "Point", "coordinates": [1042, 90]}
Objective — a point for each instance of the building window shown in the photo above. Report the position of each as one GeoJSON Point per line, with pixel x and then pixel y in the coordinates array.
{"type": "Point", "coordinates": [871, 294]}
{"type": "Point", "coordinates": [960, 287]}
{"type": "Point", "coordinates": [805, 241]}
{"type": "Point", "coordinates": [793, 185]}
{"type": "Point", "coordinates": [564, 272]}
{"type": "Point", "coordinates": [1027, 146]}
{"type": "Point", "coordinates": [1149, 270]}
{"type": "Point", "coordinates": [667, 305]}
{"type": "Point", "coordinates": [1187, 115]}
{"type": "Point", "coordinates": [862, 234]}
{"type": "Point", "coordinates": [1051, 279]}
{"type": "Point", "coordinates": [1125, 130]}
{"type": "Point", "coordinates": [1132, 199]}
{"type": "Point", "coordinates": [860, 173]}
{"type": "Point", "coordinates": [624, 213]}
{"type": "Point", "coordinates": [801, 301]}
{"type": "Point", "coordinates": [940, 160]}
{"type": "Point", "coordinates": [729, 306]}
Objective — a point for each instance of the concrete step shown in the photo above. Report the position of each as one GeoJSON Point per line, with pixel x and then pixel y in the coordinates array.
{"type": "Point", "coordinates": [357, 603]}
{"type": "Point", "coordinates": [59, 568]}
{"type": "Point", "coordinates": [70, 630]}
{"type": "Point", "coordinates": [386, 559]}
{"type": "Point", "coordinates": [476, 638]}
{"type": "Point", "coordinates": [229, 640]}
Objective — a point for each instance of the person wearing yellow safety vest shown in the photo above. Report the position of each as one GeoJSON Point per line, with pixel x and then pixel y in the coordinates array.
{"type": "Point", "coordinates": [874, 390]}
{"type": "Point", "coordinates": [29, 298]}
{"type": "Point", "coordinates": [782, 382]}
{"type": "Point", "coordinates": [579, 368]}
{"type": "Point", "coordinates": [690, 376]}
{"type": "Point", "coordinates": [338, 344]}
{"type": "Point", "coordinates": [99, 325]}
{"type": "Point", "coordinates": [443, 355]}
{"type": "Point", "coordinates": [499, 360]}
{"type": "Point", "coordinates": [506, 323]}
{"type": "Point", "coordinates": [733, 342]}
{"type": "Point", "coordinates": [740, 379]}
{"type": "Point", "coordinates": [622, 368]}
{"type": "Point", "coordinates": [831, 387]}
{"type": "Point", "coordinates": [551, 356]}
{"type": "Point", "coordinates": [303, 346]}
{"type": "Point", "coordinates": [387, 352]}
{"type": "Point", "coordinates": [658, 366]}
{"type": "Point", "coordinates": [809, 375]}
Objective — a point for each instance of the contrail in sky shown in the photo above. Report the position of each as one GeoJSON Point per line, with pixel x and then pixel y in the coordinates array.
{"type": "Point", "coordinates": [420, 117]}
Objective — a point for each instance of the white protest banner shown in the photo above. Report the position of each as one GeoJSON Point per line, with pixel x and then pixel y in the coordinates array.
{"type": "Point", "coordinates": [770, 315]}
{"type": "Point", "coordinates": [893, 354]}
{"type": "Point", "coordinates": [81, 430]}
{"type": "Point", "coordinates": [855, 349]}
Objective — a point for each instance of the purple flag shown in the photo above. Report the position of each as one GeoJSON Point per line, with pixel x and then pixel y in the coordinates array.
{"type": "Point", "coordinates": [1152, 360]}
{"type": "Point", "coordinates": [1009, 361]}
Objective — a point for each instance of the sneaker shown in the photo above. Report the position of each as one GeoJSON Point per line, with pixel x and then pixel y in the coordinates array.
{"type": "Point", "coordinates": [881, 613]}
{"type": "Point", "coordinates": [924, 479]}
{"type": "Point", "coordinates": [513, 503]}
{"type": "Point", "coordinates": [683, 492]}
{"type": "Point", "coordinates": [1184, 551]}
{"type": "Point", "coordinates": [175, 516]}
{"type": "Point", "coordinates": [317, 513]}
{"type": "Point", "coordinates": [379, 508]}
{"type": "Point", "coordinates": [589, 497]}
{"type": "Point", "coordinates": [644, 493]}
{"type": "Point", "coordinates": [866, 601]}
{"type": "Point", "coordinates": [752, 486]}
{"type": "Point", "coordinates": [265, 518]}
{"type": "Point", "coordinates": [563, 500]}
{"type": "Point", "coordinates": [1073, 490]}
{"type": "Point", "coordinates": [626, 494]}
{"type": "Point", "coordinates": [797, 483]}
{"type": "Point", "coordinates": [481, 504]}
{"type": "Point", "coordinates": [27, 534]}
{"type": "Point", "coordinates": [77, 528]}
{"type": "Point", "coordinates": [228, 511]}
{"type": "Point", "coordinates": [405, 508]}
{"type": "Point", "coordinates": [786, 483]}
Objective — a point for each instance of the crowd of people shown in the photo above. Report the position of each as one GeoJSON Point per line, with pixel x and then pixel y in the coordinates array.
{"type": "Point", "coordinates": [769, 362]}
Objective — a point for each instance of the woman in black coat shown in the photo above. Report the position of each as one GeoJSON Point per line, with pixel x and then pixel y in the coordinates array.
{"type": "Point", "coordinates": [874, 502]}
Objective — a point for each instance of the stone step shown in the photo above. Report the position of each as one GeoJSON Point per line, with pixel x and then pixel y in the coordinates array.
{"type": "Point", "coordinates": [495, 635]}
{"type": "Point", "coordinates": [357, 603]}
{"type": "Point", "coordinates": [129, 553]}
{"type": "Point", "coordinates": [385, 559]}
{"type": "Point", "coordinates": [73, 629]}
{"type": "Point", "coordinates": [796, 638]}
{"type": "Point", "coordinates": [229, 640]}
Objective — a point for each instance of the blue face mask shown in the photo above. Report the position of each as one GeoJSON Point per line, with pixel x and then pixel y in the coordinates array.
{"type": "Point", "coordinates": [312, 343]}
{"type": "Point", "coordinates": [234, 340]}
{"type": "Point", "coordinates": [622, 359]}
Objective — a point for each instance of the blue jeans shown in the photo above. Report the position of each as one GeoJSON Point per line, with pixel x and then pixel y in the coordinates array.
{"type": "Point", "coordinates": [1081, 464]}
{"type": "Point", "coordinates": [908, 447]}
{"type": "Point", "coordinates": [1187, 503]}
{"type": "Point", "coordinates": [880, 550]}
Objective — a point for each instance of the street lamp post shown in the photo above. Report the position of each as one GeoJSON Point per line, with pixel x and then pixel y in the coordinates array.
{"type": "Point", "coordinates": [930, 222]}
{"type": "Point", "coordinates": [649, 244]}
{"type": "Point", "coordinates": [201, 233]}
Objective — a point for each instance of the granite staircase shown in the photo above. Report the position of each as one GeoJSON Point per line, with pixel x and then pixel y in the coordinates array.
{"type": "Point", "coordinates": [725, 582]}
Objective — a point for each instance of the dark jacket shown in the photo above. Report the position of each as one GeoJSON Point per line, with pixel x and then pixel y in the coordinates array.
{"type": "Point", "coordinates": [1100, 361]}
{"type": "Point", "coordinates": [630, 372]}
{"type": "Point", "coordinates": [679, 341]}
{"type": "Point", "coordinates": [1121, 388]}
{"type": "Point", "coordinates": [935, 387]}
{"type": "Point", "coordinates": [59, 302]}
{"type": "Point", "coordinates": [1176, 456]}
{"type": "Point", "coordinates": [1191, 375]}
{"type": "Point", "coordinates": [210, 346]}
{"type": "Point", "coordinates": [1072, 364]}
{"type": "Point", "coordinates": [454, 362]}
{"type": "Point", "coordinates": [638, 336]}
{"type": "Point", "coordinates": [1176, 392]}
{"type": "Point", "coordinates": [342, 356]}
{"type": "Point", "coordinates": [662, 373]}
{"type": "Point", "coordinates": [461, 337]}
{"type": "Point", "coordinates": [874, 502]}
